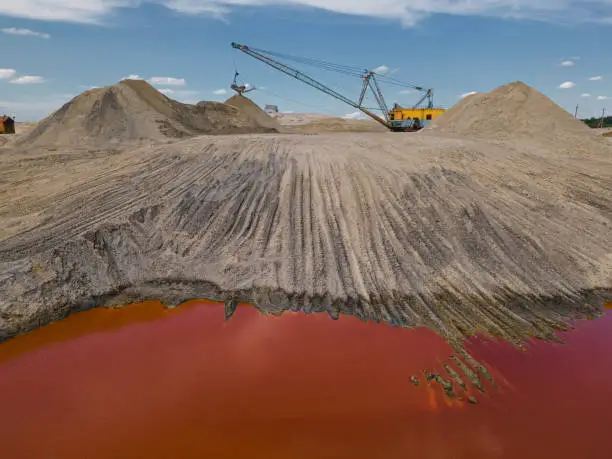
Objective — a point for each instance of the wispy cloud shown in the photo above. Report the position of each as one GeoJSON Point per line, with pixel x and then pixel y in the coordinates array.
{"type": "Point", "coordinates": [406, 91]}
{"type": "Point", "coordinates": [7, 74]}
{"type": "Point", "coordinates": [382, 70]}
{"type": "Point", "coordinates": [604, 98]}
{"type": "Point", "coordinates": [585, 95]}
{"type": "Point", "coordinates": [168, 81]}
{"type": "Point", "coordinates": [358, 115]}
{"type": "Point", "coordinates": [567, 85]}
{"type": "Point", "coordinates": [406, 12]}
{"type": "Point", "coordinates": [33, 109]}
{"type": "Point", "coordinates": [28, 79]}
{"type": "Point", "coordinates": [596, 78]}
{"type": "Point", "coordinates": [568, 63]}
{"type": "Point", "coordinates": [179, 94]}
{"type": "Point", "coordinates": [468, 94]}
{"type": "Point", "coordinates": [25, 32]}
{"type": "Point", "coordinates": [132, 77]}
{"type": "Point", "coordinates": [220, 92]}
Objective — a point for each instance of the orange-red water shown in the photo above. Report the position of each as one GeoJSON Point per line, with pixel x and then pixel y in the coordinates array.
{"type": "Point", "coordinates": [143, 382]}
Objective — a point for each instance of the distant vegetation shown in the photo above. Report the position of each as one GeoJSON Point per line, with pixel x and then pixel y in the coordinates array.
{"type": "Point", "coordinates": [594, 122]}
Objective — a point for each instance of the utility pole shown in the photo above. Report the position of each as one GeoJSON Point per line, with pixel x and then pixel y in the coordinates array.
{"type": "Point", "coordinates": [601, 121]}
{"type": "Point", "coordinates": [576, 112]}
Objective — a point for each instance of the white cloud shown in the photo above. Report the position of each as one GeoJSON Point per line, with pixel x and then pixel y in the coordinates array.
{"type": "Point", "coordinates": [28, 79]}
{"type": "Point", "coordinates": [7, 74]}
{"type": "Point", "coordinates": [220, 92]}
{"type": "Point", "coordinates": [216, 8]}
{"type": "Point", "coordinates": [24, 32]}
{"type": "Point", "coordinates": [585, 95]}
{"type": "Point", "coordinates": [183, 95]}
{"type": "Point", "coordinates": [406, 91]}
{"type": "Point", "coordinates": [468, 94]}
{"type": "Point", "coordinates": [132, 77]}
{"type": "Point", "coordinates": [567, 85]}
{"type": "Point", "coordinates": [596, 78]}
{"type": "Point", "coordinates": [181, 92]}
{"type": "Point", "coordinates": [358, 115]}
{"type": "Point", "coordinates": [568, 63]}
{"type": "Point", "coordinates": [85, 11]}
{"type": "Point", "coordinates": [34, 108]}
{"type": "Point", "coordinates": [382, 70]}
{"type": "Point", "coordinates": [604, 98]}
{"type": "Point", "coordinates": [407, 12]}
{"type": "Point", "coordinates": [168, 81]}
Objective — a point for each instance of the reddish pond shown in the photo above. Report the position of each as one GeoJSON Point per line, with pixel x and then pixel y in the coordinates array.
{"type": "Point", "coordinates": [144, 382]}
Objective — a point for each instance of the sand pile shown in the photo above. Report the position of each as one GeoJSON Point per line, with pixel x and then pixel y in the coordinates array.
{"type": "Point", "coordinates": [134, 111]}
{"type": "Point", "coordinates": [253, 111]}
{"type": "Point", "coordinates": [459, 234]}
{"type": "Point", "coordinates": [311, 123]}
{"type": "Point", "coordinates": [510, 111]}
{"type": "Point", "coordinates": [333, 124]}
{"type": "Point", "coordinates": [294, 119]}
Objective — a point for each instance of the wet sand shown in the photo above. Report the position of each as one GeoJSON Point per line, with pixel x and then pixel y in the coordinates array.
{"type": "Point", "coordinates": [147, 382]}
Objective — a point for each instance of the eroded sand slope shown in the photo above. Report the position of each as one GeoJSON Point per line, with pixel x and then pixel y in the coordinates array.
{"type": "Point", "coordinates": [456, 233]}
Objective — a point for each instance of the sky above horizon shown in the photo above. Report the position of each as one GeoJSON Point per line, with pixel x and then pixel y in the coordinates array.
{"type": "Point", "coordinates": [52, 50]}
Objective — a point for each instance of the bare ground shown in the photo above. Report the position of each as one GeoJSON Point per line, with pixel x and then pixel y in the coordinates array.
{"type": "Point", "coordinates": [21, 129]}
{"type": "Point", "coordinates": [311, 123]}
{"type": "Point", "coordinates": [457, 235]}
{"type": "Point", "coordinates": [606, 132]}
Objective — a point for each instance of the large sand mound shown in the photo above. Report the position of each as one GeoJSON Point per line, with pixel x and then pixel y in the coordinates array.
{"type": "Point", "coordinates": [460, 235]}
{"type": "Point", "coordinates": [253, 111]}
{"type": "Point", "coordinates": [456, 235]}
{"type": "Point", "coordinates": [133, 111]}
{"type": "Point", "coordinates": [510, 111]}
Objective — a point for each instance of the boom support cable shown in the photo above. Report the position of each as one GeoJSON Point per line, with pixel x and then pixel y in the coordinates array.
{"type": "Point", "coordinates": [370, 80]}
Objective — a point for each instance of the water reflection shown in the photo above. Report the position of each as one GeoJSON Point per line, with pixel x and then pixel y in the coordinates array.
{"type": "Point", "coordinates": [146, 382]}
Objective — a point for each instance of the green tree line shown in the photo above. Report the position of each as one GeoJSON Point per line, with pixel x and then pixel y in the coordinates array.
{"type": "Point", "coordinates": [594, 122]}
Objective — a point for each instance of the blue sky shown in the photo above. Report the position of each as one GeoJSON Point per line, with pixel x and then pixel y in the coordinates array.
{"type": "Point", "coordinates": [54, 49]}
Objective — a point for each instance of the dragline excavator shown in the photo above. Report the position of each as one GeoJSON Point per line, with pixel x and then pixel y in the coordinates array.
{"type": "Point", "coordinates": [240, 89]}
{"type": "Point", "coordinates": [396, 119]}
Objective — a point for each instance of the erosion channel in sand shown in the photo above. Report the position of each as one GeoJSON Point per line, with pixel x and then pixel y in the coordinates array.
{"type": "Point", "coordinates": [491, 223]}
